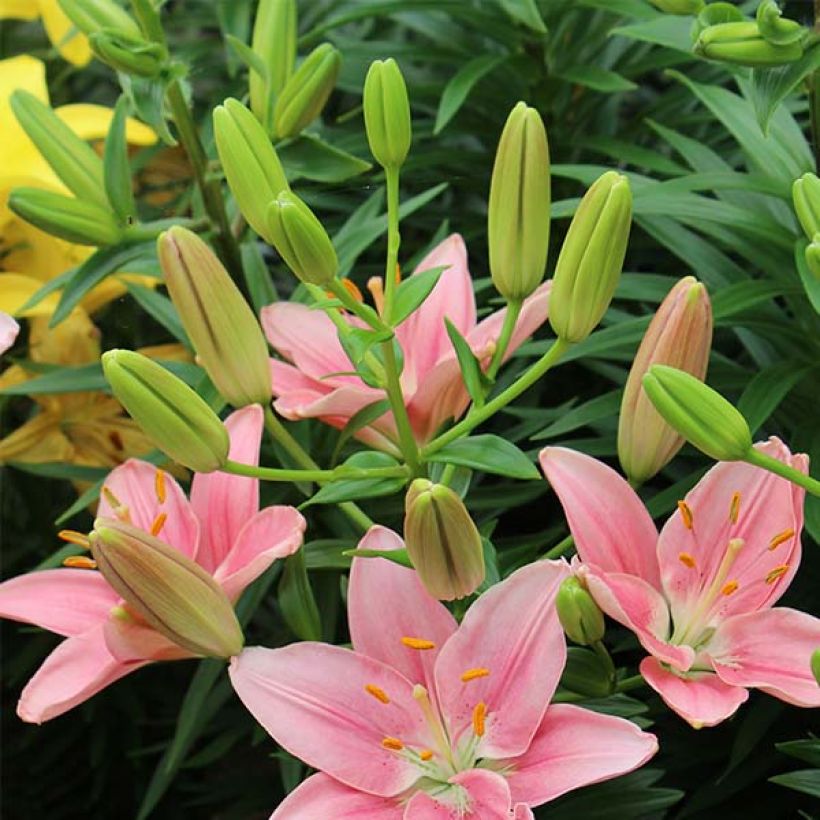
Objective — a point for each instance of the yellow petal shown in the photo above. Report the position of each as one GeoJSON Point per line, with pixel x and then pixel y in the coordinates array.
{"type": "Point", "coordinates": [170, 352]}
{"type": "Point", "coordinates": [16, 289]}
{"type": "Point", "coordinates": [19, 10]}
{"type": "Point", "coordinates": [92, 121]}
{"type": "Point", "coordinates": [74, 341]}
{"type": "Point", "coordinates": [23, 72]}
{"type": "Point", "coordinates": [37, 441]}
{"type": "Point", "coordinates": [70, 42]}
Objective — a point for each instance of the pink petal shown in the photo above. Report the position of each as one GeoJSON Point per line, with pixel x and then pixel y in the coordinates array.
{"type": "Point", "coordinates": [477, 793]}
{"type": "Point", "coordinates": [440, 396]}
{"type": "Point", "coordinates": [768, 506]}
{"type": "Point", "coordinates": [385, 603]}
{"type": "Point", "coordinates": [611, 527]}
{"type": "Point", "coordinates": [641, 608]}
{"type": "Point", "coordinates": [423, 335]}
{"type": "Point", "coordinates": [272, 533]}
{"type": "Point", "coordinates": [312, 699]}
{"type": "Point", "coordinates": [134, 485]}
{"type": "Point", "coordinates": [521, 811]}
{"type": "Point", "coordinates": [77, 669]}
{"type": "Point", "coordinates": [770, 650]}
{"type": "Point", "coordinates": [513, 632]}
{"type": "Point", "coordinates": [131, 639]}
{"type": "Point", "coordinates": [8, 331]}
{"type": "Point", "coordinates": [66, 601]}
{"type": "Point", "coordinates": [321, 797]}
{"type": "Point", "coordinates": [701, 698]}
{"type": "Point", "coordinates": [575, 747]}
{"type": "Point", "coordinates": [225, 502]}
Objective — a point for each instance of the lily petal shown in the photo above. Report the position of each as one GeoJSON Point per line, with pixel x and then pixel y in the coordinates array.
{"type": "Point", "coordinates": [8, 331]}
{"type": "Point", "coordinates": [610, 525]}
{"type": "Point", "coordinates": [130, 639]}
{"type": "Point", "coordinates": [512, 632]}
{"type": "Point", "coordinates": [477, 793]}
{"type": "Point", "coordinates": [71, 43]}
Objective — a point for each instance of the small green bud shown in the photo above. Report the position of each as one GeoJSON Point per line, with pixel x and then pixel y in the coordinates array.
{"type": "Point", "coordinates": [442, 541]}
{"type": "Point", "coordinates": [680, 7]}
{"type": "Point", "coordinates": [251, 165]}
{"type": "Point", "coordinates": [742, 44]}
{"type": "Point", "coordinates": [93, 15]}
{"type": "Point", "coordinates": [225, 332]}
{"type": "Point", "coordinates": [172, 593]}
{"type": "Point", "coordinates": [701, 415]}
{"type": "Point", "coordinates": [774, 27]}
{"type": "Point", "coordinates": [126, 53]}
{"type": "Point", "coordinates": [815, 665]}
{"type": "Point", "coordinates": [71, 158]}
{"type": "Point", "coordinates": [170, 413]}
{"type": "Point", "coordinates": [301, 240]}
{"type": "Point", "coordinates": [579, 615]}
{"type": "Point", "coordinates": [519, 207]}
{"type": "Point", "coordinates": [591, 258]}
{"type": "Point", "coordinates": [306, 92]}
{"type": "Point", "coordinates": [387, 113]}
{"type": "Point", "coordinates": [586, 674]}
{"type": "Point", "coordinates": [806, 198]}
{"type": "Point", "coordinates": [813, 256]}
{"type": "Point", "coordinates": [84, 223]}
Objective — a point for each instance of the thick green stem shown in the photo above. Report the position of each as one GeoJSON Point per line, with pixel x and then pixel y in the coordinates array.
{"type": "Point", "coordinates": [510, 318]}
{"type": "Point", "coordinates": [562, 547]}
{"type": "Point", "coordinates": [779, 468]}
{"type": "Point", "coordinates": [393, 240]}
{"type": "Point", "coordinates": [277, 474]}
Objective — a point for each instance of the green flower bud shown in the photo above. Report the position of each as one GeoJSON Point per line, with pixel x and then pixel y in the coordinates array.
{"type": "Point", "coordinates": [701, 415]}
{"type": "Point", "coordinates": [519, 208]}
{"type": "Point", "coordinates": [84, 223]}
{"type": "Point", "coordinates": [442, 541]}
{"type": "Point", "coordinates": [71, 158]}
{"type": "Point", "coordinates": [172, 415]}
{"type": "Point", "coordinates": [774, 27]}
{"type": "Point", "coordinates": [301, 240]}
{"type": "Point", "coordinates": [580, 616]}
{"type": "Point", "coordinates": [251, 165]}
{"type": "Point", "coordinates": [274, 42]}
{"type": "Point", "coordinates": [680, 7]}
{"type": "Point", "coordinates": [131, 55]}
{"type": "Point", "coordinates": [172, 593]}
{"type": "Point", "coordinates": [813, 256]}
{"type": "Point", "coordinates": [306, 92]}
{"type": "Point", "coordinates": [742, 44]}
{"type": "Point", "coordinates": [591, 258]}
{"type": "Point", "coordinates": [387, 113]}
{"type": "Point", "coordinates": [586, 674]}
{"type": "Point", "coordinates": [93, 15]}
{"type": "Point", "coordinates": [224, 330]}
{"type": "Point", "coordinates": [815, 665]}
{"type": "Point", "coordinates": [806, 198]}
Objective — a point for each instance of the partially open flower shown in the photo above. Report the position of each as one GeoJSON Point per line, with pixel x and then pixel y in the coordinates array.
{"type": "Point", "coordinates": [580, 616]}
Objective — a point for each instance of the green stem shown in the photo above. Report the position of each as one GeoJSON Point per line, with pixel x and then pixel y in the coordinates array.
{"type": "Point", "coordinates": [393, 240]}
{"type": "Point", "coordinates": [481, 414]}
{"type": "Point", "coordinates": [628, 684]}
{"type": "Point", "coordinates": [510, 318]}
{"type": "Point", "coordinates": [277, 474]}
{"type": "Point", "coordinates": [562, 547]}
{"type": "Point", "coordinates": [407, 441]}
{"type": "Point", "coordinates": [365, 313]}
{"type": "Point", "coordinates": [777, 467]}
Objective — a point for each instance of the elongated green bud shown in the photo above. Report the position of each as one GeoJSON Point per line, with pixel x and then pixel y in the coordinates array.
{"type": "Point", "coordinates": [387, 113]}
{"type": "Point", "coordinates": [591, 258]}
{"type": "Point", "coordinates": [680, 7]}
{"type": "Point", "coordinates": [301, 240]}
{"type": "Point", "coordinates": [774, 27]}
{"type": "Point", "coordinates": [813, 256]}
{"type": "Point", "coordinates": [586, 674]}
{"type": "Point", "coordinates": [172, 415]}
{"type": "Point", "coordinates": [306, 92]}
{"type": "Point", "coordinates": [442, 541]}
{"type": "Point", "coordinates": [93, 15]}
{"type": "Point", "coordinates": [251, 165]}
{"type": "Point", "coordinates": [172, 593]}
{"type": "Point", "coordinates": [126, 53]}
{"type": "Point", "coordinates": [742, 44]}
{"type": "Point", "coordinates": [84, 223]}
{"type": "Point", "coordinates": [72, 159]}
{"type": "Point", "coordinates": [224, 330]}
{"type": "Point", "coordinates": [815, 665]}
{"type": "Point", "coordinates": [806, 198]}
{"type": "Point", "coordinates": [580, 616]}
{"type": "Point", "coordinates": [679, 335]}
{"type": "Point", "coordinates": [274, 42]}
{"type": "Point", "coordinates": [519, 209]}
{"type": "Point", "coordinates": [701, 415]}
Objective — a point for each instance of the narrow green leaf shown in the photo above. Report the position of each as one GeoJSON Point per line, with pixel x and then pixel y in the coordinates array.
{"type": "Point", "coordinates": [767, 389]}
{"type": "Point", "coordinates": [460, 84]}
{"type": "Point", "coordinates": [296, 600]}
{"type": "Point", "coordinates": [526, 12]}
{"type": "Point", "coordinates": [400, 557]}
{"type": "Point", "coordinates": [368, 414]}
{"type": "Point", "coordinates": [116, 168]}
{"type": "Point", "coordinates": [309, 157]}
{"type": "Point", "coordinates": [257, 277]}
{"type": "Point", "coordinates": [665, 30]}
{"type": "Point", "coordinates": [597, 409]}
{"type": "Point", "coordinates": [61, 469]}
{"type": "Point", "coordinates": [489, 453]}
{"type": "Point", "coordinates": [596, 78]}
{"type": "Point", "coordinates": [807, 750]}
{"type": "Point", "coordinates": [353, 489]}
{"type": "Point", "coordinates": [160, 308]}
{"type": "Point", "coordinates": [474, 379]}
{"type": "Point", "coordinates": [412, 292]}
{"type": "Point", "coordinates": [247, 55]}
{"type": "Point", "coordinates": [804, 780]}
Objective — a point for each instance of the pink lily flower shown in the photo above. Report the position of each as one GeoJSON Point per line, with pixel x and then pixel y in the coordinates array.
{"type": "Point", "coordinates": [221, 528]}
{"type": "Point", "coordinates": [316, 381]}
{"type": "Point", "coordinates": [429, 719]}
{"type": "Point", "coordinates": [698, 597]}
{"type": "Point", "coordinates": [8, 331]}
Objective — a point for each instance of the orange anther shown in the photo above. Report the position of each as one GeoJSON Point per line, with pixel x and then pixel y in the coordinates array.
{"type": "Point", "coordinates": [351, 287]}
{"type": "Point", "coordinates": [392, 743]}
{"type": "Point", "coordinates": [686, 514]}
{"type": "Point", "coordinates": [426, 754]}
{"type": "Point", "coordinates": [398, 273]}
{"type": "Point", "coordinates": [80, 562]}
{"type": "Point", "coordinates": [479, 713]}
{"type": "Point", "coordinates": [74, 537]}
{"type": "Point", "coordinates": [418, 643]}
{"type": "Point", "coordinates": [777, 572]}
{"type": "Point", "coordinates": [159, 486]}
{"type": "Point", "coordinates": [687, 560]}
{"type": "Point", "coordinates": [780, 538]}
{"type": "Point", "coordinates": [472, 674]}
{"type": "Point", "coordinates": [377, 692]}
{"type": "Point", "coordinates": [159, 523]}
{"type": "Point", "coordinates": [734, 508]}
{"type": "Point", "coordinates": [729, 588]}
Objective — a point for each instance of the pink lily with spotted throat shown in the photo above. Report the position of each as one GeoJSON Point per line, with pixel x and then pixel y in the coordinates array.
{"type": "Point", "coordinates": [426, 718]}
{"type": "Point", "coordinates": [699, 596]}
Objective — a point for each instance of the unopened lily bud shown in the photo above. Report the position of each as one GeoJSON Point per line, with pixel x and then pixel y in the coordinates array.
{"type": "Point", "coordinates": [815, 665]}
{"type": "Point", "coordinates": [301, 240]}
{"type": "Point", "coordinates": [742, 44]}
{"type": "Point", "coordinates": [93, 15]}
{"type": "Point", "coordinates": [225, 332]}
{"type": "Point", "coordinates": [72, 159]}
{"type": "Point", "coordinates": [806, 198]}
{"type": "Point", "coordinates": [579, 615]}
{"type": "Point", "coordinates": [126, 53]}
{"type": "Point", "coordinates": [679, 335]}
{"type": "Point", "coordinates": [591, 258]}
{"type": "Point", "coordinates": [306, 92]}
{"type": "Point", "coordinates": [172, 593]}
{"type": "Point", "coordinates": [701, 415]}
{"type": "Point", "coordinates": [84, 223]}
{"type": "Point", "coordinates": [274, 43]}
{"type": "Point", "coordinates": [519, 207]}
{"type": "Point", "coordinates": [387, 113]}
{"type": "Point", "coordinates": [442, 541]}
{"type": "Point", "coordinates": [172, 415]}
{"type": "Point", "coordinates": [774, 27]}
{"type": "Point", "coordinates": [586, 674]}
{"type": "Point", "coordinates": [680, 7]}
{"type": "Point", "coordinates": [813, 256]}
{"type": "Point", "coordinates": [250, 163]}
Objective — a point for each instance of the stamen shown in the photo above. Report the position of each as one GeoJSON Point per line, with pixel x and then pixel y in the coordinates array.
{"type": "Point", "coordinates": [418, 643]}
{"type": "Point", "coordinates": [734, 508]}
{"type": "Point", "coordinates": [472, 674]}
{"type": "Point", "coordinates": [426, 754]}
{"type": "Point", "coordinates": [398, 273]}
{"type": "Point", "coordinates": [377, 692]}
{"type": "Point", "coordinates": [159, 523]}
{"type": "Point", "coordinates": [376, 287]}
{"type": "Point", "coordinates": [780, 538]}
{"type": "Point", "coordinates": [111, 498]}
{"type": "Point", "coordinates": [80, 562]}
{"type": "Point", "coordinates": [777, 572]}
{"type": "Point", "coordinates": [422, 698]}
{"type": "Point", "coordinates": [159, 485]}
{"type": "Point", "coordinates": [686, 514]}
{"type": "Point", "coordinates": [687, 560]}
{"type": "Point", "coordinates": [479, 713]}
{"type": "Point", "coordinates": [728, 589]}
{"type": "Point", "coordinates": [116, 439]}
{"type": "Point", "coordinates": [74, 537]}
{"type": "Point", "coordinates": [120, 509]}
{"type": "Point", "coordinates": [392, 743]}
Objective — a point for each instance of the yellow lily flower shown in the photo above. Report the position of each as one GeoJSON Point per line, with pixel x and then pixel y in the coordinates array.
{"type": "Point", "coordinates": [72, 44]}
